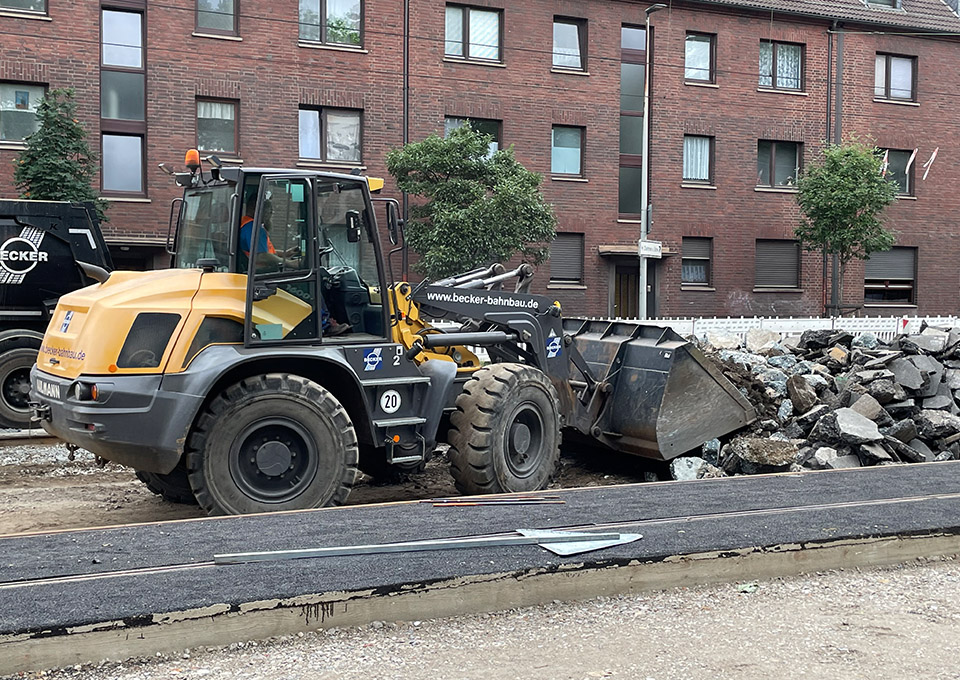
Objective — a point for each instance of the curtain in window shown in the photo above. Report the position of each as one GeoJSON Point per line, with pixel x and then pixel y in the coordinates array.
{"type": "Point", "coordinates": [696, 158]}
{"type": "Point", "coordinates": [901, 78]}
{"type": "Point", "coordinates": [697, 59]}
{"type": "Point", "coordinates": [216, 130]}
{"type": "Point", "coordinates": [343, 136]}
{"type": "Point", "coordinates": [454, 32]}
{"type": "Point", "coordinates": [880, 77]}
{"type": "Point", "coordinates": [309, 134]}
{"type": "Point", "coordinates": [217, 110]}
{"type": "Point", "coordinates": [566, 151]}
{"type": "Point", "coordinates": [766, 64]}
{"type": "Point", "coordinates": [484, 34]}
{"type": "Point", "coordinates": [566, 45]}
{"type": "Point", "coordinates": [789, 66]}
{"type": "Point", "coordinates": [215, 14]}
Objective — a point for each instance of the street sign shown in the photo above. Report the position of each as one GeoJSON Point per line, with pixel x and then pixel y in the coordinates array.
{"type": "Point", "coordinates": [652, 249]}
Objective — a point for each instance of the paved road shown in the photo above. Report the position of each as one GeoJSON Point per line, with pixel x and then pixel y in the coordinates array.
{"type": "Point", "coordinates": [898, 622]}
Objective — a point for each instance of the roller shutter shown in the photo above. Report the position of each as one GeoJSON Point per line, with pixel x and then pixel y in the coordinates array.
{"type": "Point", "coordinates": [777, 264]}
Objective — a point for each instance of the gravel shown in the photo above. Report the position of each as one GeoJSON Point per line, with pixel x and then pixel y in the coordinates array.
{"type": "Point", "coordinates": [892, 622]}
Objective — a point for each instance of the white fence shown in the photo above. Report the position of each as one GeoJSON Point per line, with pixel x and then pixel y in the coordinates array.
{"type": "Point", "coordinates": [884, 327]}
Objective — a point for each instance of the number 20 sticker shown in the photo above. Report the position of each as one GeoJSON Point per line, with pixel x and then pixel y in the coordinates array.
{"type": "Point", "coordinates": [390, 401]}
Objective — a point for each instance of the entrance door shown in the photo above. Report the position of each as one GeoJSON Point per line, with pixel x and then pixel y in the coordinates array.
{"type": "Point", "coordinates": [626, 289]}
{"type": "Point", "coordinates": [283, 302]}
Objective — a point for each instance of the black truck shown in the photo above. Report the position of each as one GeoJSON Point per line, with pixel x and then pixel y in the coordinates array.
{"type": "Point", "coordinates": [42, 244]}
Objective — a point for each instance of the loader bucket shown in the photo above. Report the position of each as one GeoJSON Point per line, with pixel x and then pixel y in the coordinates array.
{"type": "Point", "coordinates": [665, 397]}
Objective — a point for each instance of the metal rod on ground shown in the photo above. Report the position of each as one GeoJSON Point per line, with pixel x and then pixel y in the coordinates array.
{"type": "Point", "coordinates": [411, 546]}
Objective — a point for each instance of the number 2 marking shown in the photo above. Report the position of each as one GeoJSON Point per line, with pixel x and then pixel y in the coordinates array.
{"type": "Point", "coordinates": [396, 357]}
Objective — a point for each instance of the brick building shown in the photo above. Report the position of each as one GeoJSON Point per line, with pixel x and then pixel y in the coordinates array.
{"type": "Point", "coordinates": [742, 93]}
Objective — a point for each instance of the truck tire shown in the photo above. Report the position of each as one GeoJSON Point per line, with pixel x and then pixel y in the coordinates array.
{"type": "Point", "coordinates": [272, 442]}
{"type": "Point", "coordinates": [505, 431]}
{"type": "Point", "coordinates": [15, 365]}
{"type": "Point", "coordinates": [173, 487]}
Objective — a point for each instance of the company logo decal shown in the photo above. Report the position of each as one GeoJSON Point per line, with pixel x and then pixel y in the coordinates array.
{"type": "Point", "coordinates": [372, 359]}
{"type": "Point", "coordinates": [554, 346]}
{"type": "Point", "coordinates": [20, 256]}
{"type": "Point", "coordinates": [66, 321]}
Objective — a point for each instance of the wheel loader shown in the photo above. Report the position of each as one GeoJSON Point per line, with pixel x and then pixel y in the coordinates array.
{"type": "Point", "coordinates": [221, 382]}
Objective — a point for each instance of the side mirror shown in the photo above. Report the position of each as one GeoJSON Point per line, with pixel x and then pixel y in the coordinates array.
{"type": "Point", "coordinates": [393, 223]}
{"type": "Point", "coordinates": [354, 231]}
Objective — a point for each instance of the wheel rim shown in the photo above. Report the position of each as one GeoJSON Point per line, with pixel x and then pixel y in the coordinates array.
{"type": "Point", "coordinates": [523, 440]}
{"type": "Point", "coordinates": [274, 460]}
{"type": "Point", "coordinates": [16, 389]}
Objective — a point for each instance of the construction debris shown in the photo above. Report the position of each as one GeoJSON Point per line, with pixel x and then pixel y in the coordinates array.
{"type": "Point", "coordinates": [827, 400]}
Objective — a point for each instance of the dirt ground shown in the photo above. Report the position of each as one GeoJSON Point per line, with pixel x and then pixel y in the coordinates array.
{"type": "Point", "coordinates": [41, 490]}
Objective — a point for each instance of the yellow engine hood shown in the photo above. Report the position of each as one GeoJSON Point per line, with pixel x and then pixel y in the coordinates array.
{"type": "Point", "coordinates": [90, 325]}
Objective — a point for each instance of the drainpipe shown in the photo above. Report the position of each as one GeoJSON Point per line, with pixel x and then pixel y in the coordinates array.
{"type": "Point", "coordinates": [830, 31]}
{"type": "Point", "coordinates": [645, 152]}
{"type": "Point", "coordinates": [837, 137]}
{"type": "Point", "coordinates": [406, 118]}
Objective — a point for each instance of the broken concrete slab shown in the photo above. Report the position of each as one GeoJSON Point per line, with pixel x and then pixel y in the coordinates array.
{"type": "Point", "coordinates": [937, 424]}
{"type": "Point", "coordinates": [784, 361]}
{"type": "Point", "coordinates": [904, 430]}
{"type": "Point", "coordinates": [886, 391]}
{"type": "Point", "coordinates": [920, 446]}
{"type": "Point", "coordinates": [866, 341]}
{"type": "Point", "coordinates": [868, 407]}
{"type": "Point", "coordinates": [932, 372]}
{"type": "Point", "coordinates": [847, 426]}
{"type": "Point", "coordinates": [686, 468]}
{"type": "Point", "coordinates": [802, 394]}
{"type": "Point", "coordinates": [874, 453]}
{"type": "Point", "coordinates": [906, 374]}
{"type": "Point", "coordinates": [723, 340]}
{"type": "Point", "coordinates": [904, 451]}
{"type": "Point", "coordinates": [760, 341]}
{"type": "Point", "coordinates": [868, 376]}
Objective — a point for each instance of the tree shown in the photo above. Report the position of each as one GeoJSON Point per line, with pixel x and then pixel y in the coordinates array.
{"type": "Point", "coordinates": [481, 207]}
{"type": "Point", "coordinates": [57, 164]}
{"type": "Point", "coordinates": [842, 197]}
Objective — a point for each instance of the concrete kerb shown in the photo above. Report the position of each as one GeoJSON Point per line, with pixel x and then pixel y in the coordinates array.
{"type": "Point", "coordinates": [222, 624]}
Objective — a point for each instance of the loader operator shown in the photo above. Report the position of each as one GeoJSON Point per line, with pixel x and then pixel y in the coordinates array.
{"type": "Point", "coordinates": [268, 258]}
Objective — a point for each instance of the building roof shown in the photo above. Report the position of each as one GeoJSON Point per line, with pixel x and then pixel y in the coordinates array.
{"type": "Point", "coordinates": [926, 15]}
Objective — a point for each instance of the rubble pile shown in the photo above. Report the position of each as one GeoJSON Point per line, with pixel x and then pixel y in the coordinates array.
{"type": "Point", "coordinates": [829, 400]}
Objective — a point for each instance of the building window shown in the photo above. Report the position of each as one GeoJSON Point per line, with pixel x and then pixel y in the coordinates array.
{"type": "Point", "coordinates": [567, 151]}
{"type": "Point", "coordinates": [896, 170]}
{"type": "Point", "coordinates": [778, 163]}
{"type": "Point", "coordinates": [473, 33]}
{"type": "Point", "coordinates": [122, 170]}
{"type": "Point", "coordinates": [570, 43]}
{"type": "Point", "coordinates": [895, 4]}
{"type": "Point", "coordinates": [697, 159]}
{"type": "Point", "coordinates": [781, 65]}
{"type": "Point", "coordinates": [336, 22]}
{"type": "Point", "coordinates": [18, 110]}
{"type": "Point", "coordinates": [700, 57]}
{"type": "Point", "coordinates": [777, 264]}
{"type": "Point", "coordinates": [890, 277]}
{"type": "Point", "coordinates": [122, 101]}
{"type": "Point", "coordinates": [38, 6]}
{"type": "Point", "coordinates": [895, 78]}
{"type": "Point", "coordinates": [633, 45]}
{"type": "Point", "coordinates": [217, 16]}
{"type": "Point", "coordinates": [217, 126]}
{"type": "Point", "coordinates": [484, 127]}
{"type": "Point", "coordinates": [330, 135]}
{"type": "Point", "coordinates": [695, 261]}
{"type": "Point", "coordinates": [566, 259]}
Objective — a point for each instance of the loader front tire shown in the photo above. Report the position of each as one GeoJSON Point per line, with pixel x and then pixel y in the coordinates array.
{"type": "Point", "coordinates": [505, 431]}
{"type": "Point", "coordinates": [173, 487]}
{"type": "Point", "coordinates": [272, 442]}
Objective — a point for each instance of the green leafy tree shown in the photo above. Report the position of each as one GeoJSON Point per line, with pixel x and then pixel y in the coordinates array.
{"type": "Point", "coordinates": [57, 163]}
{"type": "Point", "coordinates": [480, 207]}
{"type": "Point", "coordinates": [842, 197]}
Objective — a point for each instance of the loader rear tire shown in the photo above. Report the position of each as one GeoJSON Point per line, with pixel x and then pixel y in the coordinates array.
{"type": "Point", "coordinates": [269, 443]}
{"type": "Point", "coordinates": [15, 365]}
{"type": "Point", "coordinates": [173, 487]}
{"type": "Point", "coordinates": [505, 432]}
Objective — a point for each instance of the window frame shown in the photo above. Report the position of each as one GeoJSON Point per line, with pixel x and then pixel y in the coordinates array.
{"type": "Point", "coordinates": [235, 31]}
{"type": "Point", "coordinates": [894, 4]}
{"type": "Point", "coordinates": [708, 259]}
{"type": "Point", "coordinates": [799, 267]}
{"type": "Point", "coordinates": [14, 83]}
{"type": "Point", "coordinates": [581, 26]}
{"type": "Point", "coordinates": [886, 284]}
{"type": "Point", "coordinates": [323, 28]}
{"type": "Point", "coordinates": [120, 127]}
{"type": "Point", "coordinates": [636, 57]}
{"type": "Point", "coordinates": [583, 150]}
{"type": "Point", "coordinates": [910, 189]}
{"type": "Point", "coordinates": [776, 44]}
{"type": "Point", "coordinates": [712, 77]}
{"type": "Point", "coordinates": [322, 118]}
{"type": "Point", "coordinates": [497, 138]}
{"type": "Point", "coordinates": [580, 239]}
{"type": "Point", "coordinates": [236, 125]}
{"type": "Point", "coordinates": [30, 12]}
{"type": "Point", "coordinates": [798, 151]}
{"type": "Point", "coordinates": [711, 160]}
{"type": "Point", "coordinates": [886, 96]}
{"type": "Point", "coordinates": [465, 33]}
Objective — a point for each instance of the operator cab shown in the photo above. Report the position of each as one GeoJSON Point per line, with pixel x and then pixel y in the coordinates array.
{"type": "Point", "coordinates": [305, 241]}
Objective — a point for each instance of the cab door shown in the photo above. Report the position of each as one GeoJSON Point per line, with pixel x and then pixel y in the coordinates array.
{"type": "Point", "coordinates": [283, 304]}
